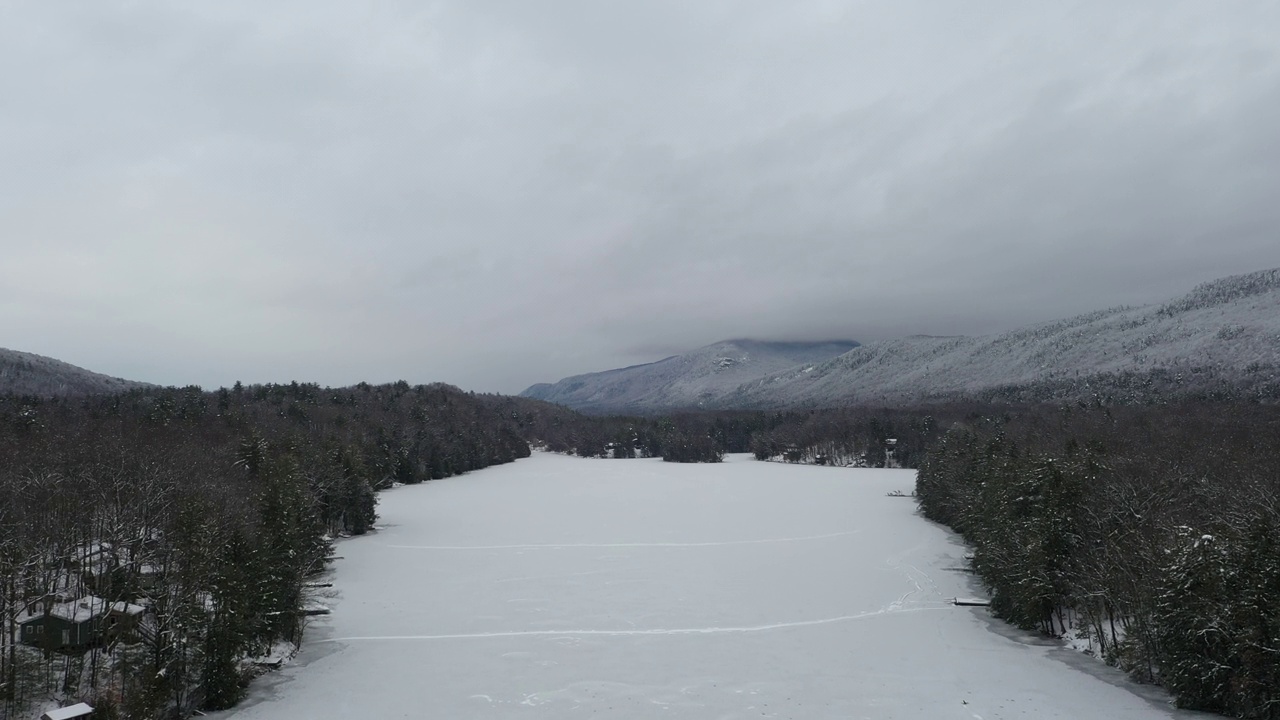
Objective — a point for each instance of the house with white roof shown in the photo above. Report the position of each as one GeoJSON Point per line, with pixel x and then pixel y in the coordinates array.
{"type": "Point", "coordinates": [79, 624]}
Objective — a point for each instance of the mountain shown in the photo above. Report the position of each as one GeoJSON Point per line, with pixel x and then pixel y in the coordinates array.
{"type": "Point", "coordinates": [27, 374]}
{"type": "Point", "coordinates": [684, 381]}
{"type": "Point", "coordinates": [1221, 339]}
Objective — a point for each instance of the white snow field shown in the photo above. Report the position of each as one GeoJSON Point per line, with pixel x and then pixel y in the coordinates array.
{"type": "Point", "coordinates": [558, 587]}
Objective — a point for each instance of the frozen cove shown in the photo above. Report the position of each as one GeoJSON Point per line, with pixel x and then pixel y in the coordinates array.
{"type": "Point", "coordinates": [560, 587]}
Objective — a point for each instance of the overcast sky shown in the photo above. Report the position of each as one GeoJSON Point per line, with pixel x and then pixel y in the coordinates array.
{"type": "Point", "coordinates": [494, 193]}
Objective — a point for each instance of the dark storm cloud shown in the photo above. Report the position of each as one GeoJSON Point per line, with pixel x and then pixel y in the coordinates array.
{"type": "Point", "coordinates": [496, 193]}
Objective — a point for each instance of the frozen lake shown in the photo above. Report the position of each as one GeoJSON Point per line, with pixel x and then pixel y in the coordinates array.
{"type": "Point", "coordinates": [559, 587]}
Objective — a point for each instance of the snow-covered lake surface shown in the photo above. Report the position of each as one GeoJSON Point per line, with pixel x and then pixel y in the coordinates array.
{"type": "Point", "coordinates": [559, 587]}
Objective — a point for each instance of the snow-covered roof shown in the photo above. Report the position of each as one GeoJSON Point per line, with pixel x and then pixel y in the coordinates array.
{"type": "Point", "coordinates": [127, 608]}
{"type": "Point", "coordinates": [79, 610]}
{"type": "Point", "coordinates": [76, 611]}
{"type": "Point", "coordinates": [69, 712]}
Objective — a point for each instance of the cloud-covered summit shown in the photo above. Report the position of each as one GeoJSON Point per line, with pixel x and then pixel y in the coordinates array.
{"type": "Point", "coordinates": [1221, 339]}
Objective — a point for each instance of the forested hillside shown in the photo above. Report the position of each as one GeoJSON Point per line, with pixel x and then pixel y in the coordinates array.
{"type": "Point", "coordinates": [24, 373]}
{"type": "Point", "coordinates": [684, 382]}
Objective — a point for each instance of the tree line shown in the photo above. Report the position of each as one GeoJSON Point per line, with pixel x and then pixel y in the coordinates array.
{"type": "Point", "coordinates": [1150, 531]}
{"type": "Point", "coordinates": [841, 436]}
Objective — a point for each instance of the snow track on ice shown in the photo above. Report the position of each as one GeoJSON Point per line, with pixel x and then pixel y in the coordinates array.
{"type": "Point", "coordinates": [563, 546]}
{"type": "Point", "coordinates": [654, 631]}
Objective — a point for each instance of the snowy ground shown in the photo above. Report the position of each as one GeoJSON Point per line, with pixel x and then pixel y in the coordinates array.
{"type": "Point", "coordinates": [560, 587]}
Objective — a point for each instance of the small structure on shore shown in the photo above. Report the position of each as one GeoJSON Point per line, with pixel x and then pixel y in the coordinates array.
{"type": "Point", "coordinates": [79, 711]}
{"type": "Point", "coordinates": [120, 624]}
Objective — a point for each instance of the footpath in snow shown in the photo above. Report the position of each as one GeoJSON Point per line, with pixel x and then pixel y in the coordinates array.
{"type": "Point", "coordinates": [560, 587]}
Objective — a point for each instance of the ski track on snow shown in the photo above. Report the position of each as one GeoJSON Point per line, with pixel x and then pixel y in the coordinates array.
{"type": "Point", "coordinates": [625, 545]}
{"type": "Point", "coordinates": [651, 631]}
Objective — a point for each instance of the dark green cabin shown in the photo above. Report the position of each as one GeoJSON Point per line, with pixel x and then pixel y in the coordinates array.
{"type": "Point", "coordinates": [68, 626]}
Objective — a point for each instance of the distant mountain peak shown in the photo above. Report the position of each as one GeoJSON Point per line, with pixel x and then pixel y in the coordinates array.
{"type": "Point", "coordinates": [687, 380]}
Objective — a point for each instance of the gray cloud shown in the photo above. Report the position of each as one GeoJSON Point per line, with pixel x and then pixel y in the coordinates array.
{"type": "Point", "coordinates": [495, 193]}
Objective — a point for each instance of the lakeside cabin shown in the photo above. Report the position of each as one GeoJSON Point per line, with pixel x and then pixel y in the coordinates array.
{"type": "Point", "coordinates": [80, 624]}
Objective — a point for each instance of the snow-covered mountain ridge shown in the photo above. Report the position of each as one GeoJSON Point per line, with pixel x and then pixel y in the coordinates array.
{"type": "Point", "coordinates": [685, 381]}
{"type": "Point", "coordinates": [1222, 338]}
{"type": "Point", "coordinates": [24, 373]}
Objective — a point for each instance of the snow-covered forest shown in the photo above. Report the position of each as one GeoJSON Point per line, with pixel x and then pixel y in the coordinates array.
{"type": "Point", "coordinates": [211, 511]}
{"type": "Point", "coordinates": [1152, 534]}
